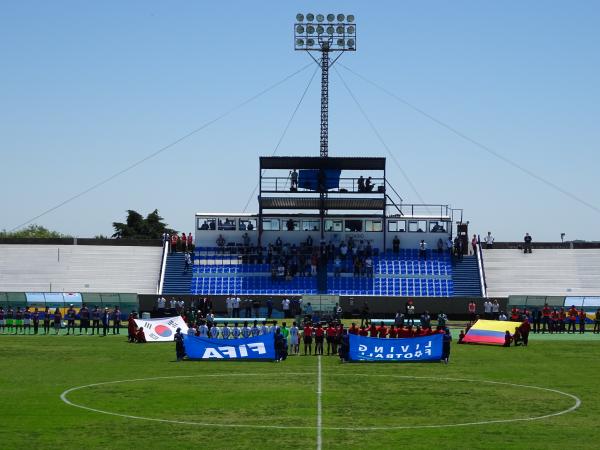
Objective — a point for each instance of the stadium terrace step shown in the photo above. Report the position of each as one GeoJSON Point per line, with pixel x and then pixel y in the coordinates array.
{"type": "Point", "coordinates": [465, 275]}
{"type": "Point", "coordinates": [176, 282]}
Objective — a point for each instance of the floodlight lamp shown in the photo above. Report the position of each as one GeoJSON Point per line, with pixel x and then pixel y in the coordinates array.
{"type": "Point", "coordinates": [351, 29]}
{"type": "Point", "coordinates": [351, 43]}
{"type": "Point", "coordinates": [340, 42]}
{"type": "Point", "coordinates": [350, 17]}
{"type": "Point", "coordinates": [330, 30]}
{"type": "Point", "coordinates": [320, 18]}
{"type": "Point", "coordinates": [300, 17]}
{"type": "Point", "coordinates": [325, 45]}
{"type": "Point", "coordinates": [340, 17]}
{"type": "Point", "coordinates": [330, 17]}
{"type": "Point", "coordinates": [310, 17]}
{"type": "Point", "coordinates": [300, 42]}
{"type": "Point", "coordinates": [320, 29]}
{"type": "Point", "coordinates": [310, 42]}
{"type": "Point", "coordinates": [310, 29]}
{"type": "Point", "coordinates": [339, 30]}
{"type": "Point", "coordinates": [299, 29]}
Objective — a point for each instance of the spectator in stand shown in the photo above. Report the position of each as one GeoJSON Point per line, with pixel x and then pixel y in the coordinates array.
{"type": "Point", "coordinates": [489, 240]}
{"type": "Point", "coordinates": [361, 184]}
{"type": "Point", "coordinates": [187, 262]}
{"type": "Point", "coordinates": [474, 244]}
{"type": "Point", "coordinates": [582, 317]}
{"type": "Point", "coordinates": [396, 245]}
{"type": "Point", "coordinates": [190, 242]}
{"type": "Point", "coordinates": [368, 266]}
{"type": "Point", "coordinates": [423, 249]}
{"type": "Point", "coordinates": [221, 243]}
{"type": "Point", "coordinates": [440, 246]}
{"type": "Point", "coordinates": [472, 310]}
{"type": "Point", "coordinates": [495, 309]}
{"type": "Point", "coordinates": [183, 242]}
{"type": "Point", "coordinates": [527, 243]}
{"type": "Point", "coordinates": [449, 245]}
{"type": "Point", "coordinates": [487, 309]}
{"type": "Point", "coordinates": [174, 239]}
{"type": "Point", "coordinates": [458, 248]}
{"type": "Point", "coordinates": [314, 260]}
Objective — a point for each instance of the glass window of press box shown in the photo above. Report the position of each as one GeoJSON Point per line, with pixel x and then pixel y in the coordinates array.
{"type": "Point", "coordinates": [353, 226]}
{"type": "Point", "coordinates": [226, 224]}
{"type": "Point", "coordinates": [397, 226]}
{"type": "Point", "coordinates": [438, 226]}
{"type": "Point", "coordinates": [311, 225]}
{"type": "Point", "coordinates": [334, 225]}
{"type": "Point", "coordinates": [247, 224]}
{"type": "Point", "coordinates": [206, 224]}
{"type": "Point", "coordinates": [418, 226]}
{"type": "Point", "coordinates": [292, 225]}
{"type": "Point", "coordinates": [373, 225]}
{"type": "Point", "coordinates": [271, 225]}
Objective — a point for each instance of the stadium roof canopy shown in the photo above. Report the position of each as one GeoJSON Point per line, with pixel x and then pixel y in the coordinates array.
{"type": "Point", "coordinates": [314, 203]}
{"type": "Point", "coordinates": [317, 162]}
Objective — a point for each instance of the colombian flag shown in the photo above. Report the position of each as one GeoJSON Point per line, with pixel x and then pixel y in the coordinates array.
{"type": "Point", "coordinates": [490, 332]}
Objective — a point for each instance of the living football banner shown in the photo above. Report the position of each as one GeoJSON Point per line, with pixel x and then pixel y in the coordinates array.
{"type": "Point", "coordinates": [257, 347]}
{"type": "Point", "coordinates": [162, 329]}
{"type": "Point", "coordinates": [425, 348]}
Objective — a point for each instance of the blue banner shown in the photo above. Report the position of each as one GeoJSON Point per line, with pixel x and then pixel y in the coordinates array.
{"type": "Point", "coordinates": [425, 348]}
{"type": "Point", "coordinates": [258, 347]}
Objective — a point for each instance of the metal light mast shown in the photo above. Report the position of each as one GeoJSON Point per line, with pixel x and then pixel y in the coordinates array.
{"type": "Point", "coordinates": [325, 35]}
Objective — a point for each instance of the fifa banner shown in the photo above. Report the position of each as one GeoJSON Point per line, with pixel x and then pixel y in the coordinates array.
{"type": "Point", "coordinates": [425, 348]}
{"type": "Point", "coordinates": [163, 329]}
{"type": "Point", "coordinates": [256, 348]}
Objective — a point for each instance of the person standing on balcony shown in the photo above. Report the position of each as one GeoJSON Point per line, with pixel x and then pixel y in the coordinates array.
{"type": "Point", "coordinates": [489, 240]}
{"type": "Point", "coordinates": [294, 180]}
{"type": "Point", "coordinates": [423, 249]}
{"type": "Point", "coordinates": [527, 246]}
{"type": "Point", "coordinates": [361, 184]}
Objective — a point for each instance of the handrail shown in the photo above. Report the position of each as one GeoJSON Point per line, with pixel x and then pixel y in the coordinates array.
{"type": "Point", "coordinates": [394, 190]}
{"type": "Point", "coordinates": [481, 268]}
{"type": "Point", "coordinates": [163, 267]}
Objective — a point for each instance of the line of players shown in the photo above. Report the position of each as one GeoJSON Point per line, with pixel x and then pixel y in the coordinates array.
{"type": "Point", "coordinates": [25, 321]}
{"type": "Point", "coordinates": [554, 320]}
{"type": "Point", "coordinates": [327, 337]}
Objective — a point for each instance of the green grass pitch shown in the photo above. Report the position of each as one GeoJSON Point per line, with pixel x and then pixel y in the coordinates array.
{"type": "Point", "coordinates": [275, 406]}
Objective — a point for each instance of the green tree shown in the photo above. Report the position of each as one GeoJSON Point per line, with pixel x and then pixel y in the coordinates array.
{"type": "Point", "coordinates": [33, 231]}
{"type": "Point", "coordinates": [138, 227]}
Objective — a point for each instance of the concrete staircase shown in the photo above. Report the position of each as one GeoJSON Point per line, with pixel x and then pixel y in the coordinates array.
{"type": "Point", "coordinates": [465, 275]}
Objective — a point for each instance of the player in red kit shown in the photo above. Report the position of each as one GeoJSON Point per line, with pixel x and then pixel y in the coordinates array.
{"type": "Point", "coordinates": [308, 336]}
{"type": "Point", "coordinates": [393, 332]}
{"type": "Point", "coordinates": [363, 331]}
{"type": "Point", "coordinates": [353, 329]}
{"type": "Point", "coordinates": [373, 331]}
{"type": "Point", "coordinates": [382, 331]}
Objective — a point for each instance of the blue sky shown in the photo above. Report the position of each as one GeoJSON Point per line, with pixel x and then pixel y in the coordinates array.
{"type": "Point", "coordinates": [87, 88]}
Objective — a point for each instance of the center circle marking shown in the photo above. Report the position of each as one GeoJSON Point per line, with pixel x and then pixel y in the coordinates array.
{"type": "Point", "coordinates": [64, 398]}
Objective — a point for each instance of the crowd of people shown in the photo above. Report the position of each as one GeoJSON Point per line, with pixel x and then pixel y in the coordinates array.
{"type": "Point", "coordinates": [179, 243]}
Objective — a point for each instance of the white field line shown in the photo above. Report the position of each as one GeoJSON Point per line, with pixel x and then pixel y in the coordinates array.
{"type": "Point", "coordinates": [319, 406]}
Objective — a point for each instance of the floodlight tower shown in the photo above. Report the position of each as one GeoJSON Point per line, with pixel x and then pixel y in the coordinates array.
{"type": "Point", "coordinates": [325, 35]}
